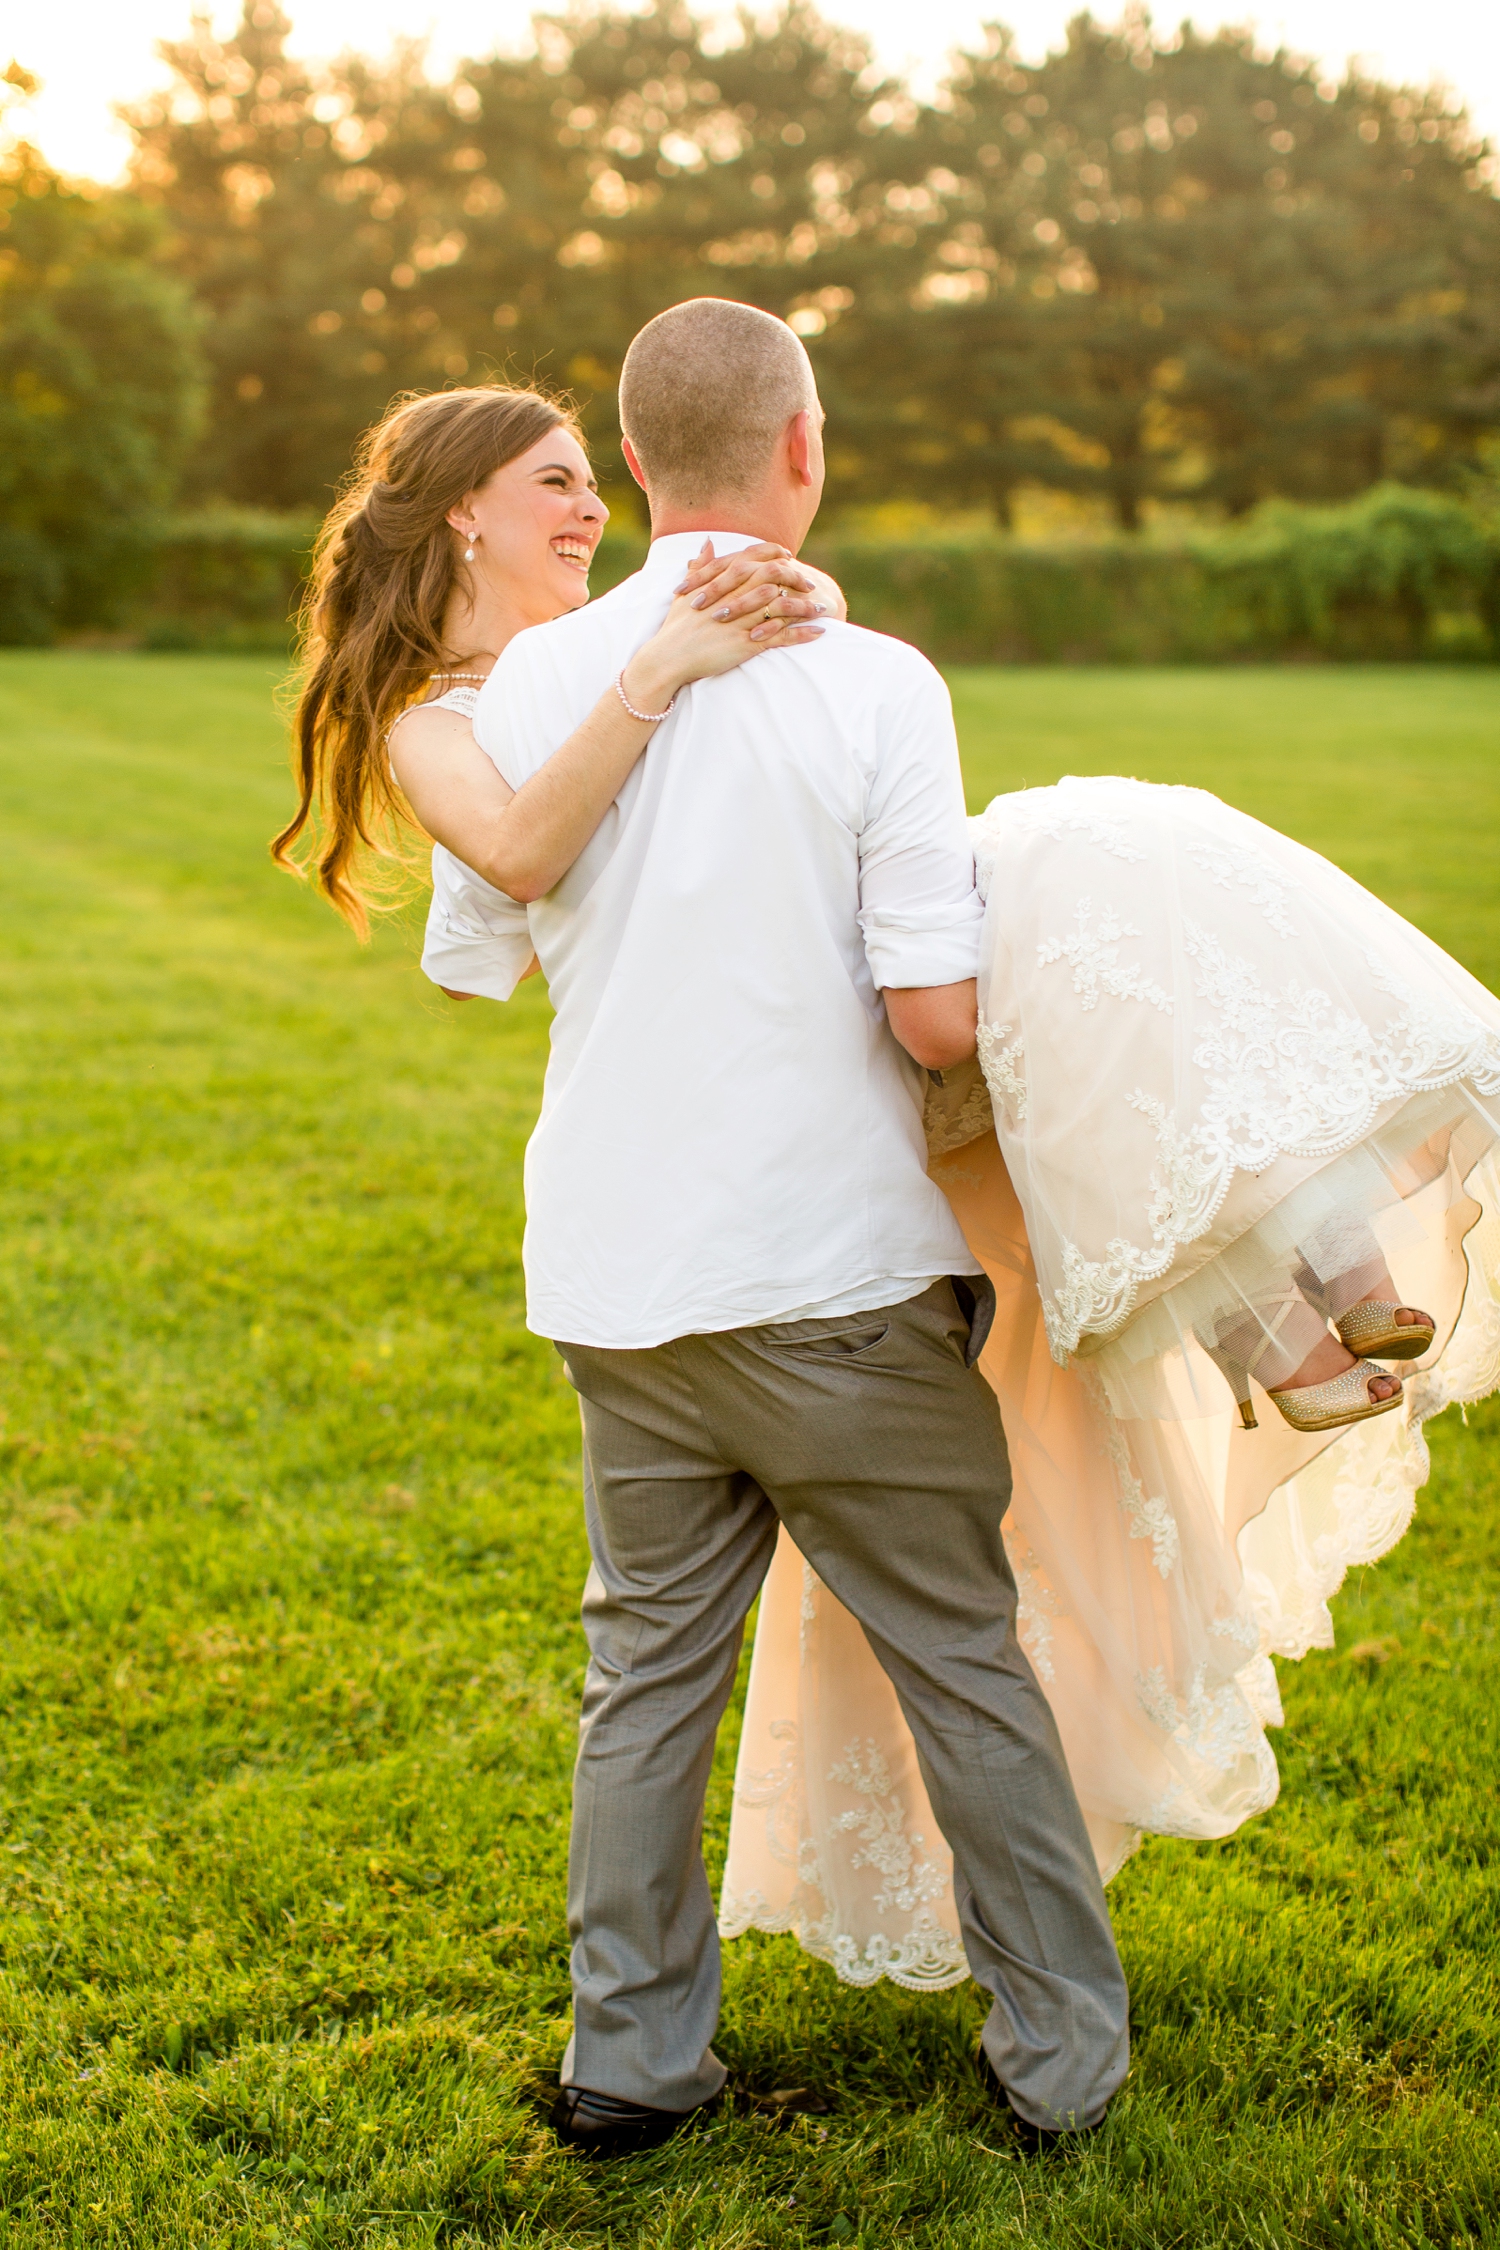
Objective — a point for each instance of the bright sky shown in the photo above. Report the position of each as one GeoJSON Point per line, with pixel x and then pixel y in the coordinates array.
{"type": "Point", "coordinates": [90, 53]}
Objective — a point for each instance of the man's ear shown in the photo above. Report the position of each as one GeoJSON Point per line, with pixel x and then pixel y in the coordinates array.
{"type": "Point", "coordinates": [633, 465]}
{"type": "Point", "coordinates": [799, 447]}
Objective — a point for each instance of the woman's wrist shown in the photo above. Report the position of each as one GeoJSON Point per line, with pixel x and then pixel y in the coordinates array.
{"type": "Point", "coordinates": [648, 685]}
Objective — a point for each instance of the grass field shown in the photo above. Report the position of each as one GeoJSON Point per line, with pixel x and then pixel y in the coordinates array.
{"type": "Point", "coordinates": [292, 1557]}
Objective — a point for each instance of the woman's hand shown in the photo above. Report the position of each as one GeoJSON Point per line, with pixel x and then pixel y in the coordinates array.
{"type": "Point", "coordinates": [697, 644]}
{"type": "Point", "coordinates": [733, 585]}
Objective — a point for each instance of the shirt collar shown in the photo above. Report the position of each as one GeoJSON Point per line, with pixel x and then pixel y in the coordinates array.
{"type": "Point", "coordinates": [674, 552]}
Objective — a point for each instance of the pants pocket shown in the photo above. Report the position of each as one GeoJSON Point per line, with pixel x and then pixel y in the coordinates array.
{"type": "Point", "coordinates": [838, 1343]}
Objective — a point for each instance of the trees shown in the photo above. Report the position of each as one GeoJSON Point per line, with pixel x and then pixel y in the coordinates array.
{"type": "Point", "coordinates": [1189, 269]}
{"type": "Point", "coordinates": [286, 239]}
{"type": "Point", "coordinates": [99, 392]}
{"type": "Point", "coordinates": [364, 231]}
{"type": "Point", "coordinates": [1145, 269]}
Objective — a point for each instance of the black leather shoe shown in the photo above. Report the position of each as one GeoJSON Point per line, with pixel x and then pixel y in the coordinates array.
{"type": "Point", "coordinates": [603, 2125]}
{"type": "Point", "coordinates": [1020, 2134]}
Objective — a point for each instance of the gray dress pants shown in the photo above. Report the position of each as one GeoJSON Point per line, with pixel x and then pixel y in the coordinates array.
{"type": "Point", "coordinates": [882, 1452]}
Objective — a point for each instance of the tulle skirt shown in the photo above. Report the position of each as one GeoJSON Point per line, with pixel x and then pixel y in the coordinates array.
{"type": "Point", "coordinates": [1219, 1081]}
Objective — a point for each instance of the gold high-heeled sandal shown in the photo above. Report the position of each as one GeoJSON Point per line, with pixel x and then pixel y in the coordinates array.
{"type": "Point", "coordinates": [1312, 1406]}
{"type": "Point", "coordinates": [1342, 1399]}
{"type": "Point", "coordinates": [1236, 1371]}
{"type": "Point", "coordinates": [1372, 1331]}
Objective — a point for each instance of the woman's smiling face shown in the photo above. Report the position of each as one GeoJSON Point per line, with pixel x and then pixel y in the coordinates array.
{"type": "Point", "coordinates": [538, 520]}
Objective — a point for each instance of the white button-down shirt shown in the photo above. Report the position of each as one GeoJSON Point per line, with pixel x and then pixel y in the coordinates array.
{"type": "Point", "coordinates": [730, 1133]}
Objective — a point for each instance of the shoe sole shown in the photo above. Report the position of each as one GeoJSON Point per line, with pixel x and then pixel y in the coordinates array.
{"type": "Point", "coordinates": [1397, 1343]}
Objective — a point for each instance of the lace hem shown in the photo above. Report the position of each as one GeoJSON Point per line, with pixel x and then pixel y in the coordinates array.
{"type": "Point", "coordinates": [1098, 1296]}
{"type": "Point", "coordinates": [927, 1958]}
{"type": "Point", "coordinates": [1373, 1502]}
{"type": "Point", "coordinates": [1283, 1067]}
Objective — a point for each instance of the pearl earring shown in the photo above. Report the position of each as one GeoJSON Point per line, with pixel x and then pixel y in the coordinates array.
{"type": "Point", "coordinates": [469, 550]}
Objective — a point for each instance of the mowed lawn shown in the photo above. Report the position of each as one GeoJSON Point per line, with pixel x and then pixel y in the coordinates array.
{"type": "Point", "coordinates": [292, 1555]}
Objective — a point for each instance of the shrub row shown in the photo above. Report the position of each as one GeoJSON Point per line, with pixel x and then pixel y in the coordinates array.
{"type": "Point", "coordinates": [1395, 574]}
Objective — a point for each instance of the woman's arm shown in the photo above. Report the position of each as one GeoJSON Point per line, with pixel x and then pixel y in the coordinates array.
{"type": "Point", "coordinates": [524, 842]}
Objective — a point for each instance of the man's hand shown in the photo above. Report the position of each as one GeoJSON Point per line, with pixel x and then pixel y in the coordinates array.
{"type": "Point", "coordinates": [935, 1023]}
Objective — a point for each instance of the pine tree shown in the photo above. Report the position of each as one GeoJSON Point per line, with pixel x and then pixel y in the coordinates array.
{"type": "Point", "coordinates": [1196, 270]}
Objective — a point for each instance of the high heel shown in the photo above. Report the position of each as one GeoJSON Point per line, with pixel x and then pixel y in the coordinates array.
{"type": "Point", "coordinates": [1342, 1399]}
{"type": "Point", "coordinates": [1236, 1370]}
{"type": "Point", "coordinates": [1311, 1406]}
{"type": "Point", "coordinates": [1237, 1376]}
{"type": "Point", "coordinates": [1372, 1331]}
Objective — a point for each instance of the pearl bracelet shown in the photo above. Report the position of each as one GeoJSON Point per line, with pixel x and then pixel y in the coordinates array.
{"type": "Point", "coordinates": [647, 718]}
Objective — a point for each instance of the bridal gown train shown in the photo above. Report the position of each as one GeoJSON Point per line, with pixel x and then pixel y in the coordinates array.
{"type": "Point", "coordinates": [1215, 1072]}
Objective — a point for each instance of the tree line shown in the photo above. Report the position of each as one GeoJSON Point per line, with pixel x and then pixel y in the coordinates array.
{"type": "Point", "coordinates": [1144, 269]}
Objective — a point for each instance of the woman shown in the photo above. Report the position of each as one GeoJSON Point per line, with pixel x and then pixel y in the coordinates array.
{"type": "Point", "coordinates": [1227, 1098]}
{"type": "Point", "coordinates": [471, 515]}
{"type": "Point", "coordinates": [1233, 1112]}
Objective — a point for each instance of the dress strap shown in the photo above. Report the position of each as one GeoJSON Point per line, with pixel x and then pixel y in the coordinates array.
{"type": "Point", "coordinates": [463, 699]}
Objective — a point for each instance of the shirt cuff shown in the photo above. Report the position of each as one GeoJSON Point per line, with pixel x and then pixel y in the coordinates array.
{"type": "Point", "coordinates": [908, 951]}
{"type": "Point", "coordinates": [478, 940]}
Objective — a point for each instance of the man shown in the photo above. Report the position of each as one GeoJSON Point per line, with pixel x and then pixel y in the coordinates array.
{"type": "Point", "coordinates": [766, 1307]}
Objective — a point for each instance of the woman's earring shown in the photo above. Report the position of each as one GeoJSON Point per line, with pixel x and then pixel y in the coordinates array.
{"type": "Point", "coordinates": [469, 550]}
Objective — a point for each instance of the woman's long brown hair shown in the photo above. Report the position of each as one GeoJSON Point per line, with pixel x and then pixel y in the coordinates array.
{"type": "Point", "coordinates": [371, 624]}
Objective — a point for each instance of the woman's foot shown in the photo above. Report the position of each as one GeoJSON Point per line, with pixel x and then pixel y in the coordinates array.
{"type": "Point", "coordinates": [1375, 1327]}
{"type": "Point", "coordinates": [1330, 1358]}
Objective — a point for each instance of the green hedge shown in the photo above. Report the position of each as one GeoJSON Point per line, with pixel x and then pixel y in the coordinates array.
{"type": "Point", "coordinates": [227, 579]}
{"type": "Point", "coordinates": [1397, 574]}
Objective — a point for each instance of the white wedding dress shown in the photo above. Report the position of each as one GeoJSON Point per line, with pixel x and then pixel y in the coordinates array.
{"type": "Point", "coordinates": [1215, 1071]}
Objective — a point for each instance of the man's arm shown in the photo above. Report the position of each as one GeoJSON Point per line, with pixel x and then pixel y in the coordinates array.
{"type": "Point", "coordinates": [919, 910]}
{"type": "Point", "coordinates": [935, 1023]}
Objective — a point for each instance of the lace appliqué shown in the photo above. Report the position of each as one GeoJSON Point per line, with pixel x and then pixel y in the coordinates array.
{"type": "Point", "coordinates": [1002, 1057]}
{"type": "Point", "coordinates": [1148, 1518]}
{"type": "Point", "coordinates": [1291, 1075]}
{"type": "Point", "coordinates": [925, 1957]}
{"type": "Point", "coordinates": [1093, 955]}
{"type": "Point", "coordinates": [908, 1879]}
{"type": "Point", "coordinates": [1213, 1725]}
{"type": "Point", "coordinates": [1226, 864]}
{"type": "Point", "coordinates": [957, 1109]}
{"type": "Point", "coordinates": [808, 1614]}
{"type": "Point", "coordinates": [1036, 1606]}
{"type": "Point", "coordinates": [1431, 1047]}
{"type": "Point", "coordinates": [1059, 821]}
{"type": "Point", "coordinates": [1054, 813]}
{"type": "Point", "coordinates": [1287, 1075]}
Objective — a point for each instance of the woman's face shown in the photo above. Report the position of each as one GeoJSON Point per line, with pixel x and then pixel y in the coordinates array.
{"type": "Point", "coordinates": [538, 521]}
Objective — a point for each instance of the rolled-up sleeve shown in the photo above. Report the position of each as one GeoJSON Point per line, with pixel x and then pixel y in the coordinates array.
{"type": "Point", "coordinates": [478, 940]}
{"type": "Point", "coordinates": [919, 911]}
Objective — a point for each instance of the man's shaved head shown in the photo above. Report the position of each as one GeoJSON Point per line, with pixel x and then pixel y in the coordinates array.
{"type": "Point", "coordinates": [706, 390]}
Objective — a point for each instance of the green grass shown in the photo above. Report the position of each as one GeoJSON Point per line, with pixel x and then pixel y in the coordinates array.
{"type": "Point", "coordinates": [292, 1559]}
